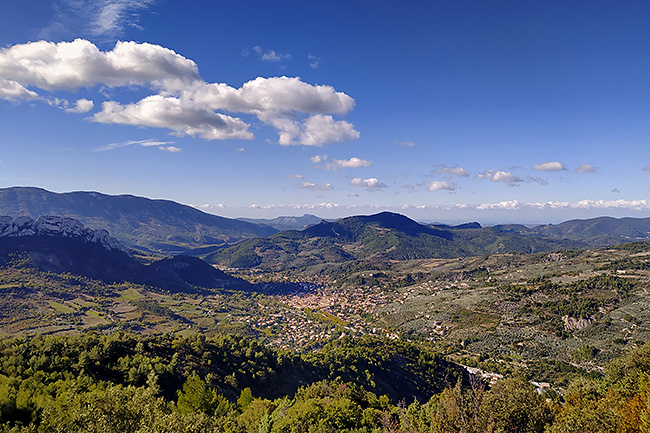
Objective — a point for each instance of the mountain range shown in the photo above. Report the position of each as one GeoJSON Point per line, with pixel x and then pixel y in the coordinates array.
{"type": "Point", "coordinates": [597, 232]}
{"type": "Point", "coordinates": [151, 225]}
{"type": "Point", "coordinates": [383, 236]}
{"type": "Point", "coordinates": [170, 228]}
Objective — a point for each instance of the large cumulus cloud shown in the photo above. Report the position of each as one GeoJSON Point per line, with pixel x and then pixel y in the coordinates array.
{"type": "Point", "coordinates": [302, 113]}
{"type": "Point", "coordinates": [71, 65]}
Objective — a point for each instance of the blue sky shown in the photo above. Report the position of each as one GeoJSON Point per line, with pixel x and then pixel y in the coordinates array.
{"type": "Point", "coordinates": [489, 111]}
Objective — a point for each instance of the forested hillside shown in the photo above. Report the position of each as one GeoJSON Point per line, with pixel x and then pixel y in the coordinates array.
{"type": "Point", "coordinates": [130, 383]}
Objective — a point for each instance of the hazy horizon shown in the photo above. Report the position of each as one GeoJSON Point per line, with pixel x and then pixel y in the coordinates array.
{"type": "Point", "coordinates": [424, 216]}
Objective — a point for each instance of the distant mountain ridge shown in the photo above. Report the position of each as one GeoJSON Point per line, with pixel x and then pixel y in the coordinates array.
{"type": "Point", "coordinates": [287, 222]}
{"type": "Point", "coordinates": [153, 225]}
{"type": "Point", "coordinates": [170, 228]}
{"type": "Point", "coordinates": [598, 232]}
{"type": "Point", "coordinates": [384, 236]}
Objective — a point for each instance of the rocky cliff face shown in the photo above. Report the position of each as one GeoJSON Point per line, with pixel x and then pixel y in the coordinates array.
{"type": "Point", "coordinates": [56, 226]}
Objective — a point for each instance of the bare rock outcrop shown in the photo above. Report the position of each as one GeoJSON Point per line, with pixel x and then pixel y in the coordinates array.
{"type": "Point", "coordinates": [573, 324]}
{"type": "Point", "coordinates": [52, 225]}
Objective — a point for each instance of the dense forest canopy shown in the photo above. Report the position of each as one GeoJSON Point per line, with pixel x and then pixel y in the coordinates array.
{"type": "Point", "coordinates": [133, 383]}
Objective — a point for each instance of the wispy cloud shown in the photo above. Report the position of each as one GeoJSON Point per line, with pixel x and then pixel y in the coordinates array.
{"type": "Point", "coordinates": [162, 145]}
{"type": "Point", "coordinates": [405, 143]}
{"type": "Point", "coordinates": [646, 168]}
{"type": "Point", "coordinates": [539, 180]}
{"type": "Point", "coordinates": [271, 55]}
{"type": "Point", "coordinates": [314, 62]}
{"type": "Point", "coordinates": [98, 18]}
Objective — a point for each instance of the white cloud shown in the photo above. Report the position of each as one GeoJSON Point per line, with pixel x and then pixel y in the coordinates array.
{"type": "Point", "coordinates": [635, 205]}
{"type": "Point", "coordinates": [405, 143]}
{"type": "Point", "coordinates": [296, 176]}
{"type": "Point", "coordinates": [207, 207]}
{"type": "Point", "coordinates": [163, 145]}
{"type": "Point", "coordinates": [337, 164]}
{"type": "Point", "coordinates": [509, 205]}
{"type": "Point", "coordinates": [450, 172]}
{"type": "Point", "coordinates": [81, 106]}
{"type": "Point", "coordinates": [274, 100]}
{"type": "Point", "coordinates": [500, 176]}
{"type": "Point", "coordinates": [280, 96]}
{"type": "Point", "coordinates": [301, 112]}
{"type": "Point", "coordinates": [487, 174]}
{"type": "Point", "coordinates": [585, 168]}
{"type": "Point", "coordinates": [437, 185]}
{"type": "Point", "coordinates": [372, 183]}
{"type": "Point", "coordinates": [272, 56]}
{"type": "Point", "coordinates": [316, 187]}
{"type": "Point", "coordinates": [549, 166]}
{"type": "Point", "coordinates": [12, 90]}
{"type": "Point", "coordinates": [176, 114]}
{"type": "Point", "coordinates": [500, 212]}
{"type": "Point", "coordinates": [353, 162]}
{"type": "Point", "coordinates": [310, 206]}
{"type": "Point", "coordinates": [70, 65]}
{"type": "Point", "coordinates": [353, 194]}
{"type": "Point", "coordinates": [316, 130]}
